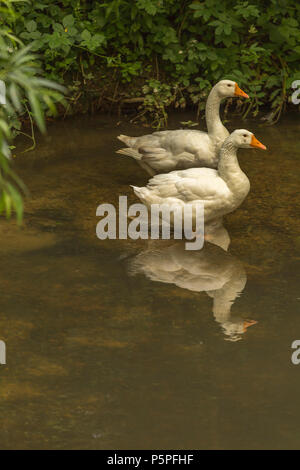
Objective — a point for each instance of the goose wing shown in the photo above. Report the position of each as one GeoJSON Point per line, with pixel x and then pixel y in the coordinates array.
{"type": "Point", "coordinates": [162, 159]}
{"type": "Point", "coordinates": [169, 150]}
{"type": "Point", "coordinates": [190, 185]}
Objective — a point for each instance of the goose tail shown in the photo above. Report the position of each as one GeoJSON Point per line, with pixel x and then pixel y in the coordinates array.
{"type": "Point", "coordinates": [129, 141]}
{"type": "Point", "coordinates": [141, 193]}
{"type": "Point", "coordinates": [130, 153]}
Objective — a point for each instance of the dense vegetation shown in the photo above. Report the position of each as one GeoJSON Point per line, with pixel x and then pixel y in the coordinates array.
{"type": "Point", "coordinates": [163, 52]}
{"type": "Point", "coordinates": [152, 53]}
{"type": "Point", "coordinates": [23, 92]}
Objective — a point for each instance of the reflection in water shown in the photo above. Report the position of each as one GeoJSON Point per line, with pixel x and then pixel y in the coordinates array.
{"type": "Point", "coordinates": [217, 234]}
{"type": "Point", "coordinates": [212, 270]}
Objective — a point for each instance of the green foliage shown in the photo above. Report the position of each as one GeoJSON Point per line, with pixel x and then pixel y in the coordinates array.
{"type": "Point", "coordinates": [25, 93]}
{"type": "Point", "coordinates": [184, 45]}
{"type": "Point", "coordinates": [102, 49]}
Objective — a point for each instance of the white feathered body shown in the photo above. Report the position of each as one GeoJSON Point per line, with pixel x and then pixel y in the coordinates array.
{"type": "Point", "coordinates": [196, 186]}
{"type": "Point", "coordinates": [169, 150]}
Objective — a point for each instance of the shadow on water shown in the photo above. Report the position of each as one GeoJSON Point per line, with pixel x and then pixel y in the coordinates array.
{"type": "Point", "coordinates": [100, 358]}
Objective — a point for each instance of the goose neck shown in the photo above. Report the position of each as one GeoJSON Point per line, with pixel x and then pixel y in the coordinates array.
{"type": "Point", "coordinates": [230, 171]}
{"type": "Point", "coordinates": [212, 114]}
{"type": "Point", "coordinates": [228, 163]}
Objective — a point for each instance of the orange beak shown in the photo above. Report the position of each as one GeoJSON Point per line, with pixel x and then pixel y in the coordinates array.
{"type": "Point", "coordinates": [239, 92]}
{"type": "Point", "coordinates": [257, 143]}
{"type": "Point", "coordinates": [247, 324]}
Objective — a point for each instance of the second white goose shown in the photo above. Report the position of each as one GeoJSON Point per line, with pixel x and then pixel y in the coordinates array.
{"type": "Point", "coordinates": [165, 151]}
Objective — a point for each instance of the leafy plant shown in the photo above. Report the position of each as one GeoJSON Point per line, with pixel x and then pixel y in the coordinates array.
{"type": "Point", "coordinates": [25, 92]}
{"type": "Point", "coordinates": [184, 45]}
{"type": "Point", "coordinates": [106, 51]}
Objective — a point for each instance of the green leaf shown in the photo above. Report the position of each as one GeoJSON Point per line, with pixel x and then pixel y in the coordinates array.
{"type": "Point", "coordinates": [68, 21]}
{"type": "Point", "coordinates": [86, 35]}
{"type": "Point", "coordinates": [31, 26]}
{"type": "Point", "coordinates": [7, 204]}
{"type": "Point", "coordinates": [37, 111]}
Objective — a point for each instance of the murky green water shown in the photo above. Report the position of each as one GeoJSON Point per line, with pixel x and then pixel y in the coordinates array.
{"type": "Point", "coordinates": [131, 344]}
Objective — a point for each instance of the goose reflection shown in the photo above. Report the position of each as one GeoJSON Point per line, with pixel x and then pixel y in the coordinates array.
{"type": "Point", "coordinates": [212, 270]}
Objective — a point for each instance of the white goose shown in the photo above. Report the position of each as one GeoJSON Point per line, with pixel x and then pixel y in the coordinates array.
{"type": "Point", "coordinates": [184, 148]}
{"type": "Point", "coordinates": [219, 191]}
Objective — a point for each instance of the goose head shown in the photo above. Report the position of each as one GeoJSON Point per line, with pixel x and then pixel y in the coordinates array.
{"type": "Point", "coordinates": [241, 138]}
{"type": "Point", "coordinates": [228, 88]}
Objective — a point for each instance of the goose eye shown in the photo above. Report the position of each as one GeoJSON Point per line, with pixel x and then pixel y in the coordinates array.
{"type": "Point", "coordinates": [228, 84]}
{"type": "Point", "coordinates": [245, 135]}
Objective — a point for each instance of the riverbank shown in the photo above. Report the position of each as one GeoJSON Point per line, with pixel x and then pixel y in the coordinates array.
{"type": "Point", "coordinates": [157, 55]}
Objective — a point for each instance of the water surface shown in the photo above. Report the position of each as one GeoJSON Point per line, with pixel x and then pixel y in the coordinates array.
{"type": "Point", "coordinates": [123, 344]}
